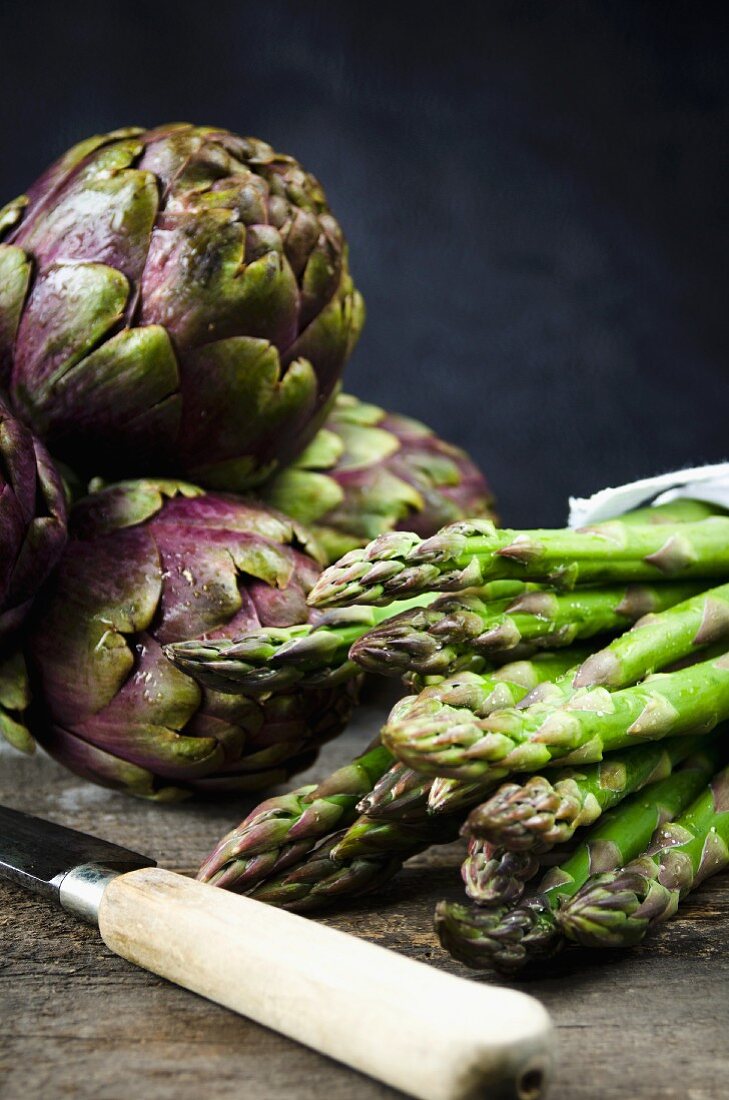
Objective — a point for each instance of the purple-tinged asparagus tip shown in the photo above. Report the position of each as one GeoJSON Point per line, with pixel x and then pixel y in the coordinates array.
{"type": "Point", "coordinates": [601, 669]}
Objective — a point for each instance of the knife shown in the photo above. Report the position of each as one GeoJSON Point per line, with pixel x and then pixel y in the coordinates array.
{"type": "Point", "coordinates": [428, 1033]}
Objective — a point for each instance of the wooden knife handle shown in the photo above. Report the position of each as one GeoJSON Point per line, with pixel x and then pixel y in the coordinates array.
{"type": "Point", "coordinates": [426, 1032]}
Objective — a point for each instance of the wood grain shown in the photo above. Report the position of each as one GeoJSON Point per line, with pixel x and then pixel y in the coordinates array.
{"type": "Point", "coordinates": [76, 1021]}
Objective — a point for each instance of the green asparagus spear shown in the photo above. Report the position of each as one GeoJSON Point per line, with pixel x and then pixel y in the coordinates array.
{"type": "Point", "coordinates": [469, 554]}
{"type": "Point", "coordinates": [320, 880]}
{"type": "Point", "coordinates": [400, 793]}
{"type": "Point", "coordinates": [536, 814]}
{"type": "Point", "coordinates": [281, 831]}
{"type": "Point", "coordinates": [446, 795]}
{"type": "Point", "coordinates": [617, 908]}
{"type": "Point", "coordinates": [659, 640]}
{"type": "Point", "coordinates": [453, 631]}
{"type": "Point", "coordinates": [353, 861]}
{"type": "Point", "coordinates": [309, 655]}
{"type": "Point", "coordinates": [374, 837]}
{"type": "Point", "coordinates": [482, 694]}
{"type": "Point", "coordinates": [507, 938]}
{"type": "Point", "coordinates": [593, 722]}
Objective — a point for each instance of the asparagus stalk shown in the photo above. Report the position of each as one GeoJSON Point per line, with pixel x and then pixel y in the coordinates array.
{"type": "Point", "coordinates": [375, 837]}
{"type": "Point", "coordinates": [536, 814]}
{"type": "Point", "coordinates": [617, 908]}
{"type": "Point", "coordinates": [309, 655]}
{"type": "Point", "coordinates": [281, 831]}
{"type": "Point", "coordinates": [454, 631]}
{"type": "Point", "coordinates": [506, 939]}
{"type": "Point", "coordinates": [321, 880]}
{"type": "Point", "coordinates": [356, 860]}
{"type": "Point", "coordinates": [401, 793]}
{"type": "Point", "coordinates": [483, 694]}
{"type": "Point", "coordinates": [593, 722]}
{"type": "Point", "coordinates": [659, 640]}
{"type": "Point", "coordinates": [446, 795]}
{"type": "Point", "coordinates": [468, 554]}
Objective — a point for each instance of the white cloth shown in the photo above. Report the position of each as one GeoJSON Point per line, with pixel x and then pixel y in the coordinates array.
{"type": "Point", "coordinates": [707, 483]}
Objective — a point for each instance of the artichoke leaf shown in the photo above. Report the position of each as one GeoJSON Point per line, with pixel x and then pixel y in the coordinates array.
{"type": "Point", "coordinates": [311, 494]}
{"type": "Point", "coordinates": [244, 374]}
{"type": "Point", "coordinates": [11, 214]}
{"type": "Point", "coordinates": [133, 376]}
{"type": "Point", "coordinates": [15, 270]}
{"type": "Point", "coordinates": [71, 308]}
{"type": "Point", "coordinates": [324, 451]}
{"type": "Point", "coordinates": [103, 218]}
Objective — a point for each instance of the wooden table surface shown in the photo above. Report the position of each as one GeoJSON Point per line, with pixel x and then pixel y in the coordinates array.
{"type": "Point", "coordinates": [76, 1021]}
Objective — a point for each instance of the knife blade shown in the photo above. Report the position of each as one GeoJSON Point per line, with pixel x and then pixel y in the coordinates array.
{"type": "Point", "coordinates": [428, 1033]}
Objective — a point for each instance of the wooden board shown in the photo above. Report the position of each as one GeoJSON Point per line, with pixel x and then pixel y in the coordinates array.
{"type": "Point", "coordinates": [75, 1021]}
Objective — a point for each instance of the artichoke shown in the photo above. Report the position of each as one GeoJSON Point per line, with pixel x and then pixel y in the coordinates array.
{"type": "Point", "coordinates": [368, 471]}
{"type": "Point", "coordinates": [32, 537]}
{"type": "Point", "coordinates": [32, 519]}
{"type": "Point", "coordinates": [150, 563]}
{"type": "Point", "coordinates": [175, 301]}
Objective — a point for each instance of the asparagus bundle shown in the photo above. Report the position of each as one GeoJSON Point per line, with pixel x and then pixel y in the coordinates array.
{"type": "Point", "coordinates": [507, 938]}
{"type": "Point", "coordinates": [468, 554]}
{"type": "Point", "coordinates": [354, 861]}
{"type": "Point", "coordinates": [617, 908]}
{"type": "Point", "coordinates": [453, 739]}
{"type": "Point", "coordinates": [459, 736]}
{"type": "Point", "coordinates": [456, 632]}
{"type": "Point", "coordinates": [281, 831]}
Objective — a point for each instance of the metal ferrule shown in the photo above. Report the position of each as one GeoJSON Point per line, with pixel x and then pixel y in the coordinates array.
{"type": "Point", "coordinates": [82, 889]}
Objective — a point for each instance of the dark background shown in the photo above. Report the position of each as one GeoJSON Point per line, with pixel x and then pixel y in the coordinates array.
{"type": "Point", "coordinates": [535, 195]}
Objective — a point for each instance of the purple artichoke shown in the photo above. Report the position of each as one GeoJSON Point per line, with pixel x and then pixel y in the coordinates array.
{"type": "Point", "coordinates": [368, 472]}
{"type": "Point", "coordinates": [32, 519]}
{"type": "Point", "coordinates": [175, 301]}
{"type": "Point", "coordinates": [150, 563]}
